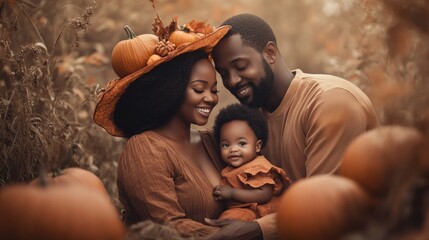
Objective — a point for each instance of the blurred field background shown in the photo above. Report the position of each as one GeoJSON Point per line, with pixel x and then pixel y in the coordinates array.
{"type": "Point", "coordinates": [55, 56]}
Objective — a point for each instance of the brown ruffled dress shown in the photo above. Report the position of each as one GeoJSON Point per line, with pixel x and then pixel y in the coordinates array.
{"type": "Point", "coordinates": [252, 175]}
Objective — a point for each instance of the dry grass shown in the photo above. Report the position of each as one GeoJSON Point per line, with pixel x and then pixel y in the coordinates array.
{"type": "Point", "coordinates": [47, 93]}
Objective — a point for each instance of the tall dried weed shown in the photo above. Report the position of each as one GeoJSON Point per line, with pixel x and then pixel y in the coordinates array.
{"type": "Point", "coordinates": [47, 93]}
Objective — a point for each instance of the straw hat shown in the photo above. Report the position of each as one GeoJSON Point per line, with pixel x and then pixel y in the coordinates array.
{"type": "Point", "coordinates": [110, 94]}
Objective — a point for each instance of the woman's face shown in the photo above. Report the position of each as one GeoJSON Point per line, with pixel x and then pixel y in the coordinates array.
{"type": "Point", "coordinates": [201, 94]}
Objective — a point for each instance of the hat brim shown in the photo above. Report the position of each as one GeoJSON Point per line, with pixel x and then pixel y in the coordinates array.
{"type": "Point", "coordinates": [109, 95]}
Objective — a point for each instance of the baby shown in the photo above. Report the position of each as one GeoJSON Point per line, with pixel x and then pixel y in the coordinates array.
{"type": "Point", "coordinates": [250, 184]}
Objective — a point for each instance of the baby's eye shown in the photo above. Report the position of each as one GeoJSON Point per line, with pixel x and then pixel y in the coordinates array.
{"type": "Point", "coordinates": [242, 144]}
{"type": "Point", "coordinates": [224, 145]}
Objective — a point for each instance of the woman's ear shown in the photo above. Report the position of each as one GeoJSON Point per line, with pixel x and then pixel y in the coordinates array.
{"type": "Point", "coordinates": [270, 52]}
{"type": "Point", "coordinates": [258, 146]}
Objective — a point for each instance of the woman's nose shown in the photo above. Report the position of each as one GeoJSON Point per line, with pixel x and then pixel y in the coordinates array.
{"type": "Point", "coordinates": [208, 98]}
{"type": "Point", "coordinates": [211, 98]}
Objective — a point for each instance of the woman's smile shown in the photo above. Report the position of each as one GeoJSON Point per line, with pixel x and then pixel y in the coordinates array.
{"type": "Point", "coordinates": [204, 111]}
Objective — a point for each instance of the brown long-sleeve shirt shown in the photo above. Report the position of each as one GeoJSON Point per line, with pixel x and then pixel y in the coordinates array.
{"type": "Point", "coordinates": [316, 120]}
{"type": "Point", "coordinates": [318, 117]}
{"type": "Point", "coordinates": [155, 183]}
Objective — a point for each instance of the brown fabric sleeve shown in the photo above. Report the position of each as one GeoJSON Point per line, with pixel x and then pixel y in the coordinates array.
{"type": "Point", "coordinates": [268, 226]}
{"type": "Point", "coordinates": [212, 148]}
{"type": "Point", "coordinates": [148, 172]}
{"type": "Point", "coordinates": [335, 119]}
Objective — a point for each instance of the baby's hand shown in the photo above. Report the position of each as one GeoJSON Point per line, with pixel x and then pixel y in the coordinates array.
{"type": "Point", "coordinates": [222, 192]}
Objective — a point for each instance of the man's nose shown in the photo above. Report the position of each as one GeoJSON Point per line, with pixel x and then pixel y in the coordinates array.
{"type": "Point", "coordinates": [233, 80]}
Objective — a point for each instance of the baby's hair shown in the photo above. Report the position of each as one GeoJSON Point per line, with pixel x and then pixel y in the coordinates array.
{"type": "Point", "coordinates": [238, 111]}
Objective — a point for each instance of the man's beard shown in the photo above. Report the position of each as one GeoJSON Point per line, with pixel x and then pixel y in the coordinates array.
{"type": "Point", "coordinates": [261, 93]}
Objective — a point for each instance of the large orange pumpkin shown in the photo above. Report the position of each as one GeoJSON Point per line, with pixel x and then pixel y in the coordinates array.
{"type": "Point", "coordinates": [70, 212]}
{"type": "Point", "coordinates": [73, 176]}
{"type": "Point", "coordinates": [382, 158]}
{"type": "Point", "coordinates": [132, 54]}
{"type": "Point", "coordinates": [321, 207]}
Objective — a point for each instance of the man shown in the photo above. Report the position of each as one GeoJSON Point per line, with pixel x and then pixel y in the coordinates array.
{"type": "Point", "coordinates": [311, 117]}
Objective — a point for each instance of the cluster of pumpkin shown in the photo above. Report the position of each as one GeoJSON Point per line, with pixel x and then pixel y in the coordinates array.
{"type": "Point", "coordinates": [136, 52]}
{"type": "Point", "coordinates": [376, 182]}
{"type": "Point", "coordinates": [72, 204]}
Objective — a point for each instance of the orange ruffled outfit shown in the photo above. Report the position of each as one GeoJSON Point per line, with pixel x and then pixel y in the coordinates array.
{"type": "Point", "coordinates": [252, 175]}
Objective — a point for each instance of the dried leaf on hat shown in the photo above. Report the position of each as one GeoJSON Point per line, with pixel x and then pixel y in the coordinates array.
{"type": "Point", "coordinates": [173, 26]}
{"type": "Point", "coordinates": [158, 27]}
{"type": "Point", "coordinates": [164, 32]}
{"type": "Point", "coordinates": [199, 27]}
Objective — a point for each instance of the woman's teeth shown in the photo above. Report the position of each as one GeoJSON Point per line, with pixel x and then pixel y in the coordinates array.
{"type": "Point", "coordinates": [204, 110]}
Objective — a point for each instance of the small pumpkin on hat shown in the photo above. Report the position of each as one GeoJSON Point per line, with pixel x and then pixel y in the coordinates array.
{"type": "Point", "coordinates": [190, 32]}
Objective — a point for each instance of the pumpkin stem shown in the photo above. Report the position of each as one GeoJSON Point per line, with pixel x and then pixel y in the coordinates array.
{"type": "Point", "coordinates": [130, 32]}
{"type": "Point", "coordinates": [57, 172]}
{"type": "Point", "coordinates": [184, 28]}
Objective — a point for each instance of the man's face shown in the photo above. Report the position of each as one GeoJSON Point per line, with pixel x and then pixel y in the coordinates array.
{"type": "Point", "coordinates": [244, 71]}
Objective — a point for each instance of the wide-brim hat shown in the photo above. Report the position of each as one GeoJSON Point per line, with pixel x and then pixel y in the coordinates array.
{"type": "Point", "coordinates": [110, 94]}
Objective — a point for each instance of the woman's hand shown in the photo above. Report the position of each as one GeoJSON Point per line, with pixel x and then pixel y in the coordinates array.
{"type": "Point", "coordinates": [233, 229]}
{"type": "Point", "coordinates": [223, 192]}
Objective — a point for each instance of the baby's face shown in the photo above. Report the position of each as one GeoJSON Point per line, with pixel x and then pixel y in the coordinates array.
{"type": "Point", "coordinates": [238, 143]}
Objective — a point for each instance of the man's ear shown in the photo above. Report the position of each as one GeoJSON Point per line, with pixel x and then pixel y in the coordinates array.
{"type": "Point", "coordinates": [270, 52]}
{"type": "Point", "coordinates": [258, 146]}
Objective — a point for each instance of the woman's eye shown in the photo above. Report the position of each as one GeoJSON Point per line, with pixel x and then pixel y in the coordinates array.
{"type": "Point", "coordinates": [215, 91]}
{"type": "Point", "coordinates": [198, 91]}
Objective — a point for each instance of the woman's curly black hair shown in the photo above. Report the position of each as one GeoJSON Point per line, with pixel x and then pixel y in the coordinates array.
{"type": "Point", "coordinates": [154, 98]}
{"type": "Point", "coordinates": [238, 111]}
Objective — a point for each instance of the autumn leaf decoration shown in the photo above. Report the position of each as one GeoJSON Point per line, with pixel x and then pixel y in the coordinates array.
{"type": "Point", "coordinates": [162, 32]}
{"type": "Point", "coordinates": [195, 26]}
{"type": "Point", "coordinates": [172, 36]}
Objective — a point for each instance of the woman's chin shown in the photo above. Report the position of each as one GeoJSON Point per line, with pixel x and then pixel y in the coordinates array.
{"type": "Point", "coordinates": [200, 122]}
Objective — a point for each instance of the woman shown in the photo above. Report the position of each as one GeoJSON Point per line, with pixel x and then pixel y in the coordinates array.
{"type": "Point", "coordinates": [167, 171]}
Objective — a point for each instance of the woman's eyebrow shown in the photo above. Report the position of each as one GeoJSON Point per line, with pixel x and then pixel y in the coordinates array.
{"type": "Point", "coordinates": [200, 80]}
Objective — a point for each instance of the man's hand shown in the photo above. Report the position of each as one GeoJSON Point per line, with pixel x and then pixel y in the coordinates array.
{"type": "Point", "coordinates": [233, 229]}
{"type": "Point", "coordinates": [223, 192]}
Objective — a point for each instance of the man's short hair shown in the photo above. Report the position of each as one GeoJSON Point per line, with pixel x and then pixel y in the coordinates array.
{"type": "Point", "coordinates": [254, 31]}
